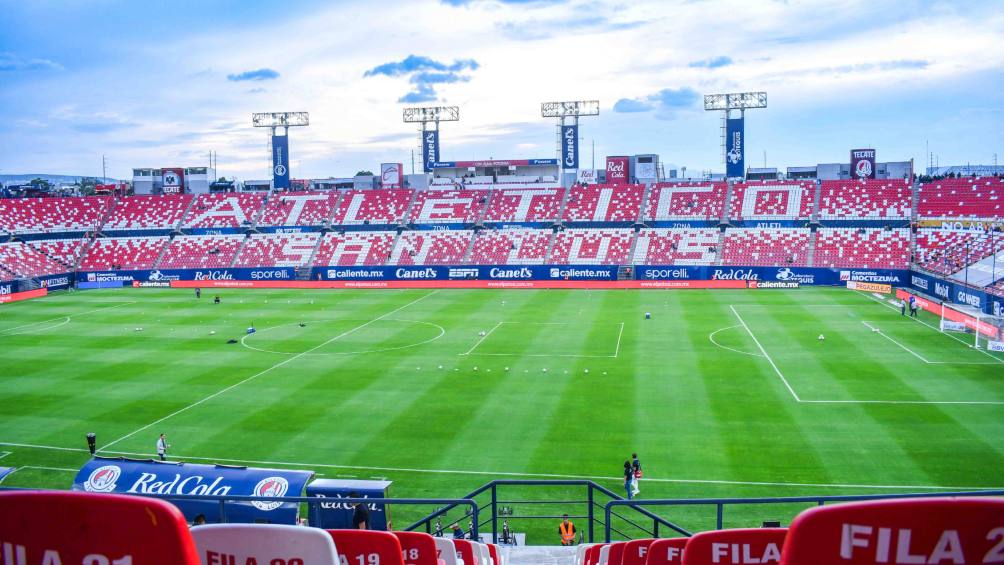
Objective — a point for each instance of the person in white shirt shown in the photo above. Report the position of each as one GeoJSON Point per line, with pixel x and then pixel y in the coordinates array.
{"type": "Point", "coordinates": [162, 447]}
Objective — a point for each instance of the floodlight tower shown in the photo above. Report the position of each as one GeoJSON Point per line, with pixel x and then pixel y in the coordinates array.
{"type": "Point", "coordinates": [279, 144]}
{"type": "Point", "coordinates": [733, 129]}
{"type": "Point", "coordinates": [429, 137]}
{"type": "Point", "coordinates": [568, 114]}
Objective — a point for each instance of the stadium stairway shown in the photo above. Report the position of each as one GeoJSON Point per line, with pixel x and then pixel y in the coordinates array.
{"type": "Point", "coordinates": [329, 222]}
{"type": "Point", "coordinates": [643, 209]}
{"type": "Point", "coordinates": [561, 210]}
{"type": "Point", "coordinates": [244, 242]}
{"type": "Point", "coordinates": [163, 249]}
{"type": "Point", "coordinates": [814, 217]}
{"type": "Point", "coordinates": [396, 242]}
{"type": "Point", "coordinates": [718, 249]}
{"type": "Point", "coordinates": [84, 249]}
{"type": "Point", "coordinates": [810, 256]}
{"type": "Point", "coordinates": [551, 241]}
{"type": "Point", "coordinates": [470, 243]}
{"type": "Point", "coordinates": [406, 215]}
{"type": "Point", "coordinates": [181, 222]}
{"type": "Point", "coordinates": [304, 270]}
{"type": "Point", "coordinates": [727, 205]}
{"type": "Point", "coordinates": [541, 555]}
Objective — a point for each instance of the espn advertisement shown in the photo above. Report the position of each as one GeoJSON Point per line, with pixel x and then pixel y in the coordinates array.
{"type": "Point", "coordinates": [173, 180]}
{"type": "Point", "coordinates": [391, 175]}
{"type": "Point", "coordinates": [570, 147]}
{"type": "Point", "coordinates": [617, 170]}
{"type": "Point", "coordinates": [430, 149]}
{"type": "Point", "coordinates": [130, 476]}
{"type": "Point", "coordinates": [735, 158]}
{"type": "Point", "coordinates": [280, 161]}
{"type": "Point", "coordinates": [862, 163]}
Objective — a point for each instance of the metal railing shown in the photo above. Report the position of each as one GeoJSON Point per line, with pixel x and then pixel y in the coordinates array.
{"type": "Point", "coordinates": [721, 503]}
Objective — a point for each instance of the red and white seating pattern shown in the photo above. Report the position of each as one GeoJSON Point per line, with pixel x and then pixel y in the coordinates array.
{"type": "Point", "coordinates": [148, 212]}
{"type": "Point", "coordinates": [65, 251]}
{"type": "Point", "coordinates": [869, 248]}
{"type": "Point", "coordinates": [277, 250]}
{"type": "Point", "coordinates": [201, 251]}
{"type": "Point", "coordinates": [510, 247]}
{"type": "Point", "coordinates": [686, 246]}
{"type": "Point", "coordinates": [23, 260]}
{"type": "Point", "coordinates": [431, 247]}
{"type": "Point", "coordinates": [373, 206]}
{"type": "Point", "coordinates": [299, 209]}
{"type": "Point", "coordinates": [525, 205]}
{"type": "Point", "coordinates": [592, 247]}
{"type": "Point", "coordinates": [263, 544]}
{"type": "Point", "coordinates": [354, 249]}
{"type": "Point", "coordinates": [945, 251]}
{"type": "Point", "coordinates": [865, 199]}
{"type": "Point", "coordinates": [686, 201]}
{"type": "Point", "coordinates": [448, 206]}
{"type": "Point", "coordinates": [962, 198]}
{"type": "Point", "coordinates": [224, 210]}
{"type": "Point", "coordinates": [601, 203]}
{"type": "Point", "coordinates": [765, 247]}
{"type": "Point", "coordinates": [52, 215]}
{"type": "Point", "coordinates": [772, 200]}
{"type": "Point", "coordinates": [125, 253]}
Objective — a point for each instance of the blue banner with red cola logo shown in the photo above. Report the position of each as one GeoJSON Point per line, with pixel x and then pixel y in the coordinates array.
{"type": "Point", "coordinates": [150, 477]}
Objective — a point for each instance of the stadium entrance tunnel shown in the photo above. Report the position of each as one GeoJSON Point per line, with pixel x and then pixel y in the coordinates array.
{"type": "Point", "coordinates": [342, 337]}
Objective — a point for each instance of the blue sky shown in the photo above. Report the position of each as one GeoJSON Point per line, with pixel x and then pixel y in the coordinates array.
{"type": "Point", "coordinates": [162, 83]}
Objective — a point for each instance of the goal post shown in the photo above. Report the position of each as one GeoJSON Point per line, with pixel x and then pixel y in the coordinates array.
{"type": "Point", "coordinates": [986, 330]}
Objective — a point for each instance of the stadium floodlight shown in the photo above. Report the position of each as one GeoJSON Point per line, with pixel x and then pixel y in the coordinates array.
{"type": "Point", "coordinates": [735, 101]}
{"type": "Point", "coordinates": [278, 145]}
{"type": "Point", "coordinates": [570, 109]}
{"type": "Point", "coordinates": [279, 119]}
{"type": "Point", "coordinates": [424, 115]}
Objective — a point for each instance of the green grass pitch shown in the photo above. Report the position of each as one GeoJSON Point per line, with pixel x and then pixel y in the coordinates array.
{"type": "Point", "coordinates": [722, 393]}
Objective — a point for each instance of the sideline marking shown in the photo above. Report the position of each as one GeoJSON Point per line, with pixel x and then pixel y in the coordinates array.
{"type": "Point", "coordinates": [5, 454]}
{"type": "Point", "coordinates": [65, 318]}
{"type": "Point", "coordinates": [711, 337]}
{"type": "Point", "coordinates": [484, 337]}
{"type": "Point", "coordinates": [762, 350]}
{"type": "Point", "coordinates": [260, 373]}
{"type": "Point", "coordinates": [617, 349]}
{"type": "Point", "coordinates": [508, 473]}
{"type": "Point", "coordinates": [917, 355]}
{"type": "Point", "coordinates": [442, 332]}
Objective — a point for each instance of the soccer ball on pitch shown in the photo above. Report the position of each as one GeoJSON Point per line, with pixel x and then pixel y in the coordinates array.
{"type": "Point", "coordinates": [481, 333]}
{"type": "Point", "coordinates": [821, 338]}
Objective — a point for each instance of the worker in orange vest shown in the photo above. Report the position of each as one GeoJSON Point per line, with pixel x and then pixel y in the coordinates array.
{"type": "Point", "coordinates": [567, 530]}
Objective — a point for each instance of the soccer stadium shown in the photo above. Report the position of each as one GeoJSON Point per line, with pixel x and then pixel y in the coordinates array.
{"type": "Point", "coordinates": [553, 358]}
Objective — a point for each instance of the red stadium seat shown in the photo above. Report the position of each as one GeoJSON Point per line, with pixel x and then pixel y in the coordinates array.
{"type": "Point", "coordinates": [367, 547]}
{"type": "Point", "coordinates": [593, 554]}
{"type": "Point", "coordinates": [77, 527]}
{"type": "Point", "coordinates": [417, 548]}
{"type": "Point", "coordinates": [466, 551]}
{"type": "Point", "coordinates": [220, 544]}
{"type": "Point", "coordinates": [431, 247]}
{"type": "Point", "coordinates": [496, 555]}
{"type": "Point", "coordinates": [636, 552]}
{"type": "Point", "coordinates": [772, 200]}
{"type": "Point", "coordinates": [666, 551]}
{"type": "Point", "coordinates": [735, 547]}
{"type": "Point", "coordinates": [616, 553]}
{"type": "Point", "coordinates": [933, 530]}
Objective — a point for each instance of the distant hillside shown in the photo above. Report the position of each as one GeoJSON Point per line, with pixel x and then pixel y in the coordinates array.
{"type": "Point", "coordinates": [53, 179]}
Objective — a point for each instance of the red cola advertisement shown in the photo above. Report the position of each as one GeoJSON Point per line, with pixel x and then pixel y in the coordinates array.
{"type": "Point", "coordinates": [617, 170]}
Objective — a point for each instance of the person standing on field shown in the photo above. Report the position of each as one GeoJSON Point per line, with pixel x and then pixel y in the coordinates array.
{"type": "Point", "coordinates": [636, 469]}
{"type": "Point", "coordinates": [628, 480]}
{"type": "Point", "coordinates": [162, 446]}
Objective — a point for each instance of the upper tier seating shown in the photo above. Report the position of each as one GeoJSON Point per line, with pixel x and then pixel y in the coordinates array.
{"type": "Point", "coordinates": [201, 251]}
{"type": "Point", "coordinates": [354, 249]}
{"type": "Point", "coordinates": [431, 247]}
{"type": "Point", "coordinates": [224, 210]}
{"type": "Point", "coordinates": [52, 215]}
{"type": "Point", "coordinates": [687, 246]}
{"type": "Point", "coordinates": [384, 206]}
{"type": "Point", "coordinates": [592, 247]}
{"type": "Point", "coordinates": [299, 209]}
{"type": "Point", "coordinates": [510, 247]}
{"type": "Point", "coordinates": [962, 198]}
{"type": "Point", "coordinates": [863, 248]}
{"type": "Point", "coordinates": [92, 528]}
{"type": "Point", "coordinates": [686, 201]}
{"type": "Point", "coordinates": [772, 200]}
{"type": "Point", "coordinates": [277, 250]}
{"type": "Point", "coordinates": [865, 199]}
{"type": "Point", "coordinates": [448, 206]}
{"type": "Point", "coordinates": [22, 260]}
{"type": "Point", "coordinates": [126, 253]}
{"type": "Point", "coordinates": [65, 251]}
{"type": "Point", "coordinates": [148, 212]}
{"type": "Point", "coordinates": [766, 247]}
{"type": "Point", "coordinates": [602, 203]}
{"type": "Point", "coordinates": [946, 251]}
{"type": "Point", "coordinates": [524, 205]}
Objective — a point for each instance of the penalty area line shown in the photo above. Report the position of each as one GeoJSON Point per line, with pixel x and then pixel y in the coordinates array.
{"type": "Point", "coordinates": [513, 474]}
{"type": "Point", "coordinates": [484, 337]}
{"type": "Point", "coordinates": [764, 351]}
{"type": "Point", "coordinates": [269, 369]}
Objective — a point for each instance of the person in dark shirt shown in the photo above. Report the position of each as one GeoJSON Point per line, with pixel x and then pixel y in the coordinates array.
{"type": "Point", "coordinates": [458, 532]}
{"type": "Point", "coordinates": [636, 467]}
{"type": "Point", "coordinates": [198, 293]}
{"type": "Point", "coordinates": [360, 515]}
{"type": "Point", "coordinates": [628, 479]}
